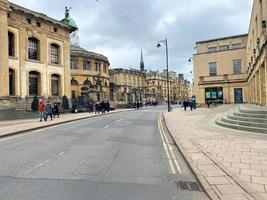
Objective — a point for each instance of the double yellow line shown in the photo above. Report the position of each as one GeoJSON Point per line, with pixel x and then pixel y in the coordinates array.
{"type": "Point", "coordinates": [168, 148]}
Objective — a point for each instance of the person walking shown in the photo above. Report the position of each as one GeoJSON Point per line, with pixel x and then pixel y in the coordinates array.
{"type": "Point", "coordinates": [108, 106]}
{"type": "Point", "coordinates": [185, 104]}
{"type": "Point", "coordinates": [56, 110]}
{"type": "Point", "coordinates": [41, 109]}
{"type": "Point", "coordinates": [191, 105]}
{"type": "Point", "coordinates": [48, 110]}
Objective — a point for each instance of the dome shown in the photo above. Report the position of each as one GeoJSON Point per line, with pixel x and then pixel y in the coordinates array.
{"type": "Point", "coordinates": [72, 23]}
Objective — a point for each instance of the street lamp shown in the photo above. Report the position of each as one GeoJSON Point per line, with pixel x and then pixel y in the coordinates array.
{"type": "Point", "coordinates": [165, 42]}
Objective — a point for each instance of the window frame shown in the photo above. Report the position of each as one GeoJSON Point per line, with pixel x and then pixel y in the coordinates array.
{"type": "Point", "coordinates": [211, 64]}
{"type": "Point", "coordinates": [54, 54]}
{"type": "Point", "coordinates": [239, 66]}
{"type": "Point", "coordinates": [33, 49]}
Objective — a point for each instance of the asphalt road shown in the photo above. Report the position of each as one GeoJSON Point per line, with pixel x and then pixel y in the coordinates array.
{"type": "Point", "coordinates": [122, 156]}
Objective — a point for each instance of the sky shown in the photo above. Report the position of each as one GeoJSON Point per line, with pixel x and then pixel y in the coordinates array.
{"type": "Point", "coordinates": [119, 29]}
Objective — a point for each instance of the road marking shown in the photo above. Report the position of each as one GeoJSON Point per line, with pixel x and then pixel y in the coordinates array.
{"type": "Point", "coordinates": [166, 149]}
{"type": "Point", "coordinates": [39, 165]}
{"type": "Point", "coordinates": [118, 121]}
{"type": "Point", "coordinates": [107, 126]}
{"type": "Point", "coordinates": [169, 147]}
{"type": "Point", "coordinates": [61, 153]}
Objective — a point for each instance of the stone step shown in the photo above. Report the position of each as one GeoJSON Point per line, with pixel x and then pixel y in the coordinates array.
{"type": "Point", "coordinates": [250, 115]}
{"type": "Point", "coordinates": [244, 123]}
{"type": "Point", "coordinates": [250, 119]}
{"type": "Point", "coordinates": [263, 111]}
{"type": "Point", "coordinates": [239, 127]}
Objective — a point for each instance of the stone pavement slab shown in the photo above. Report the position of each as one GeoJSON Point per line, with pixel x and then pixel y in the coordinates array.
{"type": "Point", "coordinates": [230, 164]}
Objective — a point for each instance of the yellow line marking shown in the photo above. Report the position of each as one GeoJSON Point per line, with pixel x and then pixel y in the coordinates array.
{"type": "Point", "coordinates": [170, 148]}
{"type": "Point", "coordinates": [166, 149]}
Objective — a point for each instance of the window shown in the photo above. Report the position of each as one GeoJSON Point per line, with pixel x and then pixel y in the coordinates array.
{"type": "Point", "coordinates": [97, 67]}
{"type": "Point", "coordinates": [29, 20]}
{"type": "Point", "coordinates": [73, 63]}
{"type": "Point", "coordinates": [11, 82]}
{"type": "Point", "coordinates": [224, 47]}
{"type": "Point", "coordinates": [212, 49]}
{"type": "Point", "coordinates": [11, 44]}
{"type": "Point", "coordinates": [33, 48]}
{"type": "Point", "coordinates": [38, 24]}
{"type": "Point", "coordinates": [55, 85]}
{"type": "Point", "coordinates": [86, 64]}
{"type": "Point", "coordinates": [236, 46]}
{"type": "Point", "coordinates": [55, 29]}
{"type": "Point", "coordinates": [213, 69]}
{"type": "Point", "coordinates": [34, 81]}
{"type": "Point", "coordinates": [73, 81]}
{"type": "Point", "coordinates": [214, 94]}
{"type": "Point", "coordinates": [237, 66]}
{"type": "Point", "coordinates": [54, 54]}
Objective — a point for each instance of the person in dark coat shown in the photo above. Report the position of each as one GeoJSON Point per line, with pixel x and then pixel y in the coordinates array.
{"type": "Point", "coordinates": [56, 110]}
{"type": "Point", "coordinates": [191, 105]}
{"type": "Point", "coordinates": [97, 108]}
{"type": "Point", "coordinates": [48, 111]}
{"type": "Point", "coordinates": [108, 106]}
{"type": "Point", "coordinates": [185, 104]}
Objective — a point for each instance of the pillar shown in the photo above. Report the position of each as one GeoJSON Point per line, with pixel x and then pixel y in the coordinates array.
{"type": "Point", "coordinates": [4, 49]}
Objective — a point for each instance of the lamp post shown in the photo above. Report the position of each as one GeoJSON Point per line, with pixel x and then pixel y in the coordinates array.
{"type": "Point", "coordinates": [165, 42]}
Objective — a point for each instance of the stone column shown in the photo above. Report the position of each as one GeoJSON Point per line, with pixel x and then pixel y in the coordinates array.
{"type": "Point", "coordinates": [265, 73]}
{"type": "Point", "coordinates": [66, 89]}
{"type": "Point", "coordinates": [4, 49]}
{"type": "Point", "coordinates": [263, 85]}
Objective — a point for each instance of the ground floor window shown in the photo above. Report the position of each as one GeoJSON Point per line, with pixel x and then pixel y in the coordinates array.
{"type": "Point", "coordinates": [55, 84]}
{"type": "Point", "coordinates": [238, 92]}
{"type": "Point", "coordinates": [11, 82]}
{"type": "Point", "coordinates": [34, 83]}
{"type": "Point", "coordinates": [214, 94]}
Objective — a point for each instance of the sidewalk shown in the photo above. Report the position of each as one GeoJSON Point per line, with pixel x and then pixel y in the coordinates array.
{"type": "Point", "coordinates": [230, 164]}
{"type": "Point", "coordinates": [12, 127]}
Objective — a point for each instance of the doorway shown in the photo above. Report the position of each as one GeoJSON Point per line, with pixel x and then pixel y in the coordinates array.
{"type": "Point", "coordinates": [238, 92]}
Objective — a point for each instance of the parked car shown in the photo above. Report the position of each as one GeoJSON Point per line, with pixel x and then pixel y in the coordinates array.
{"type": "Point", "coordinates": [112, 106]}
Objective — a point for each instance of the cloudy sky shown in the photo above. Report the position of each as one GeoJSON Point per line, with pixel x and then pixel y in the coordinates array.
{"type": "Point", "coordinates": [119, 29]}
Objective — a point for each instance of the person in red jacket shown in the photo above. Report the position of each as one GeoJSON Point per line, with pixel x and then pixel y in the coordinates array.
{"type": "Point", "coordinates": [41, 109]}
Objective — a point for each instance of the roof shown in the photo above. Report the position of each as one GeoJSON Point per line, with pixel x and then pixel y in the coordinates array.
{"type": "Point", "coordinates": [38, 15]}
{"type": "Point", "coordinates": [76, 49]}
{"type": "Point", "coordinates": [222, 38]}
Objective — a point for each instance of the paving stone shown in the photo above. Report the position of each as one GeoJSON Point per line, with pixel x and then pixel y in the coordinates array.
{"type": "Point", "coordinates": [256, 187]}
{"type": "Point", "coordinates": [218, 180]}
{"type": "Point", "coordinates": [216, 173]}
{"type": "Point", "coordinates": [234, 197]}
{"type": "Point", "coordinates": [207, 167]}
{"type": "Point", "coordinates": [245, 178]}
{"type": "Point", "coordinates": [229, 189]}
{"type": "Point", "coordinates": [251, 172]}
{"type": "Point", "coordinates": [241, 165]}
{"type": "Point", "coordinates": [260, 180]}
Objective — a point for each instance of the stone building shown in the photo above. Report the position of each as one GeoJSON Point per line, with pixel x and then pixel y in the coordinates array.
{"type": "Point", "coordinates": [127, 85]}
{"type": "Point", "coordinates": [34, 58]}
{"type": "Point", "coordinates": [220, 70]}
{"type": "Point", "coordinates": [89, 74]}
{"type": "Point", "coordinates": [256, 53]}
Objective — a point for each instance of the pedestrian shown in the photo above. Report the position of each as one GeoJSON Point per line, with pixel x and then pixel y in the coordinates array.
{"type": "Point", "coordinates": [48, 111]}
{"type": "Point", "coordinates": [191, 105]}
{"type": "Point", "coordinates": [185, 104]}
{"type": "Point", "coordinates": [56, 110]}
{"type": "Point", "coordinates": [108, 106]}
{"type": "Point", "coordinates": [97, 108]}
{"type": "Point", "coordinates": [41, 109]}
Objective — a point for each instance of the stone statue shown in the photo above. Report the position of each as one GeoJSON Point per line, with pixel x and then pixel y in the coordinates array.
{"type": "Point", "coordinates": [67, 12]}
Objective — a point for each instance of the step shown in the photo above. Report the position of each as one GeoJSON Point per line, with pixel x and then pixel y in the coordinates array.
{"type": "Point", "coordinates": [250, 119]}
{"type": "Point", "coordinates": [242, 123]}
{"type": "Point", "coordinates": [242, 128]}
{"type": "Point", "coordinates": [253, 109]}
{"type": "Point", "coordinates": [250, 115]}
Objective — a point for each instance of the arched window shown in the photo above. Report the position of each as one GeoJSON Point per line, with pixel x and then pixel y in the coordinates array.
{"type": "Point", "coordinates": [34, 83]}
{"type": "Point", "coordinates": [55, 84]}
{"type": "Point", "coordinates": [33, 49]}
{"type": "Point", "coordinates": [11, 82]}
{"type": "Point", "coordinates": [11, 44]}
{"type": "Point", "coordinates": [54, 53]}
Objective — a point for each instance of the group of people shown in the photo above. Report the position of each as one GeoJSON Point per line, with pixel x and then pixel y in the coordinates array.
{"type": "Point", "coordinates": [47, 110]}
{"type": "Point", "coordinates": [186, 104]}
{"type": "Point", "coordinates": [102, 107]}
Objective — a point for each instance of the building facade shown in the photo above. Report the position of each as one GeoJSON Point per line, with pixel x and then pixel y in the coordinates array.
{"type": "Point", "coordinates": [34, 58]}
{"type": "Point", "coordinates": [220, 73]}
{"type": "Point", "coordinates": [256, 53]}
{"type": "Point", "coordinates": [127, 85]}
{"type": "Point", "coordinates": [89, 75]}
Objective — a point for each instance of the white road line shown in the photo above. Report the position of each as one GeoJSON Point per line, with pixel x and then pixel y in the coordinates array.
{"type": "Point", "coordinates": [118, 121]}
{"type": "Point", "coordinates": [61, 153]}
{"type": "Point", "coordinates": [166, 149]}
{"type": "Point", "coordinates": [170, 148]}
{"type": "Point", "coordinates": [39, 165]}
{"type": "Point", "coordinates": [107, 126]}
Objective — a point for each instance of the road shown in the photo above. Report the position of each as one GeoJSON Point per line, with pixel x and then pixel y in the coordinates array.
{"type": "Point", "coordinates": [124, 156]}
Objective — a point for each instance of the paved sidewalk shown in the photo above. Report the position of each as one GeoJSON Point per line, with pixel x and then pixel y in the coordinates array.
{"type": "Point", "coordinates": [12, 127]}
{"type": "Point", "coordinates": [230, 164]}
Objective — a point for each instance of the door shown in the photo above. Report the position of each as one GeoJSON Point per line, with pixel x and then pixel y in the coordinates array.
{"type": "Point", "coordinates": [238, 95]}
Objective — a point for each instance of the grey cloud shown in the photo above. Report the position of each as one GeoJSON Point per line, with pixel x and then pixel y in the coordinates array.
{"type": "Point", "coordinates": [120, 28]}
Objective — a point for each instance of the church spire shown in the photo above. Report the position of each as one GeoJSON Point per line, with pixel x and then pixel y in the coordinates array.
{"type": "Point", "coordinates": [142, 64]}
